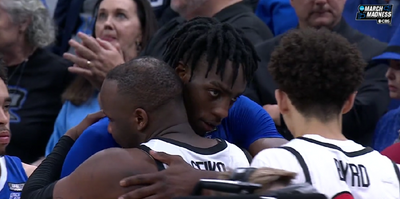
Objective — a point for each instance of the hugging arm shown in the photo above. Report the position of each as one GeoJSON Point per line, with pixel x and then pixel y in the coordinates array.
{"type": "Point", "coordinates": [98, 177]}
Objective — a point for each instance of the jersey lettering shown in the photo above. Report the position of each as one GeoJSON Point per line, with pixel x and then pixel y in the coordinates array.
{"type": "Point", "coordinates": [357, 173]}
{"type": "Point", "coordinates": [208, 165]}
{"type": "Point", "coordinates": [18, 96]}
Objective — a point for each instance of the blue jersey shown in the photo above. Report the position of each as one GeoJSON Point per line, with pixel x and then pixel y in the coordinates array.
{"type": "Point", "coordinates": [246, 123]}
{"type": "Point", "coordinates": [13, 177]}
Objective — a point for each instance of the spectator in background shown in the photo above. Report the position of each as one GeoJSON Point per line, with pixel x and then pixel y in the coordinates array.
{"type": "Point", "coordinates": [36, 77]}
{"type": "Point", "coordinates": [164, 13]}
{"type": "Point", "coordinates": [280, 16]}
{"type": "Point", "coordinates": [71, 17]}
{"type": "Point", "coordinates": [126, 25]}
{"type": "Point", "coordinates": [277, 14]}
{"type": "Point", "coordinates": [372, 98]}
{"type": "Point", "coordinates": [239, 13]}
{"type": "Point", "coordinates": [388, 128]}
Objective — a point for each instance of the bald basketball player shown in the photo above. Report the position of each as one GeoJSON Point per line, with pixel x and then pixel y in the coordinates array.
{"type": "Point", "coordinates": [143, 101]}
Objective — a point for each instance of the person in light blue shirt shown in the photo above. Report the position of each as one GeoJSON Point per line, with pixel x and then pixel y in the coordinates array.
{"type": "Point", "coordinates": [81, 95]}
{"type": "Point", "coordinates": [71, 115]}
{"type": "Point", "coordinates": [387, 130]}
{"type": "Point", "coordinates": [213, 101]}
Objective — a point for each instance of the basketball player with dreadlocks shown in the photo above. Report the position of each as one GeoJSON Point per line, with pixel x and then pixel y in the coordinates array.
{"type": "Point", "coordinates": [197, 52]}
{"type": "Point", "coordinates": [143, 99]}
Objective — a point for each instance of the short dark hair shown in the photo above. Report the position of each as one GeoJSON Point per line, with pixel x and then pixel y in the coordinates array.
{"type": "Point", "coordinates": [220, 42]}
{"type": "Point", "coordinates": [149, 82]}
{"type": "Point", "coordinates": [318, 70]}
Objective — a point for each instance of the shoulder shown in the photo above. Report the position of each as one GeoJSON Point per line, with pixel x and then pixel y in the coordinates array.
{"type": "Point", "coordinates": [265, 48]}
{"type": "Point", "coordinates": [369, 46]}
{"type": "Point", "coordinates": [237, 156]}
{"type": "Point", "coordinates": [16, 166]}
{"type": "Point", "coordinates": [390, 115]}
{"type": "Point", "coordinates": [51, 58]}
{"type": "Point", "coordinates": [269, 44]}
{"type": "Point", "coordinates": [104, 170]}
{"type": "Point", "coordinates": [243, 103]}
{"type": "Point", "coordinates": [96, 133]}
{"type": "Point", "coordinates": [274, 158]}
{"type": "Point", "coordinates": [99, 128]}
{"type": "Point", "coordinates": [119, 160]}
{"type": "Point", "coordinates": [29, 169]}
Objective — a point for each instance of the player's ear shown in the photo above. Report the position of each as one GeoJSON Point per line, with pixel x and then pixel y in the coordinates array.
{"type": "Point", "coordinates": [282, 101]}
{"type": "Point", "coordinates": [348, 105]}
{"type": "Point", "coordinates": [141, 119]}
{"type": "Point", "coordinates": [183, 72]}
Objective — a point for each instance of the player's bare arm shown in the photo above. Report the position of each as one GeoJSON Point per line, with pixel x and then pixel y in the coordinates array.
{"type": "Point", "coordinates": [178, 179]}
{"type": "Point", "coordinates": [99, 176]}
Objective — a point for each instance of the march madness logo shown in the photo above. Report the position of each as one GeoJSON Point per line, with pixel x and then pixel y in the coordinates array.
{"type": "Point", "coordinates": [382, 14]}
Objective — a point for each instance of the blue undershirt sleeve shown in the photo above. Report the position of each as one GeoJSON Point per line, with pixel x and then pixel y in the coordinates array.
{"type": "Point", "coordinates": [93, 139]}
{"type": "Point", "coordinates": [249, 122]}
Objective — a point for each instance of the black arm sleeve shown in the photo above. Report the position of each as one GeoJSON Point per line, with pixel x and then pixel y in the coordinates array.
{"type": "Point", "coordinates": [41, 183]}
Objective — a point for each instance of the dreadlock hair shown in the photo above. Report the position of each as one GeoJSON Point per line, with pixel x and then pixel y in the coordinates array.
{"type": "Point", "coordinates": [219, 42]}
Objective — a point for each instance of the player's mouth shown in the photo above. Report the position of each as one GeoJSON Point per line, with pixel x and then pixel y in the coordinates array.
{"type": "Point", "coordinates": [5, 137]}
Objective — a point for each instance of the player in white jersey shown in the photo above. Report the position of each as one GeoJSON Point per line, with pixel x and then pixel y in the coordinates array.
{"type": "Point", "coordinates": [143, 101]}
{"type": "Point", "coordinates": [318, 73]}
{"type": "Point", "coordinates": [223, 156]}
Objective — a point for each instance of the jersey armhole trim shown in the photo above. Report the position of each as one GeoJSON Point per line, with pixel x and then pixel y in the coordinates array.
{"type": "Point", "coordinates": [160, 165]}
{"type": "Point", "coordinates": [301, 161]}
{"type": "Point", "coordinates": [396, 169]}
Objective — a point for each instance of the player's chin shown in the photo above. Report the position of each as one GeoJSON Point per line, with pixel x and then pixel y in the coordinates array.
{"type": "Point", "coordinates": [322, 23]}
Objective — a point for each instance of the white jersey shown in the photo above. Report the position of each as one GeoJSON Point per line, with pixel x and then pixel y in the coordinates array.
{"type": "Point", "coordinates": [335, 168]}
{"type": "Point", "coordinates": [223, 156]}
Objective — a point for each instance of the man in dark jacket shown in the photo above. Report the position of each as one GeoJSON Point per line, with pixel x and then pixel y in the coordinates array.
{"type": "Point", "coordinates": [373, 96]}
{"type": "Point", "coordinates": [164, 13]}
{"type": "Point", "coordinates": [239, 13]}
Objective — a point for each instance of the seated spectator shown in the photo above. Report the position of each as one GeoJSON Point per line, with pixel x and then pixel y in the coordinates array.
{"type": "Point", "coordinates": [144, 99]}
{"type": "Point", "coordinates": [126, 25]}
{"type": "Point", "coordinates": [388, 128]}
{"type": "Point", "coordinates": [239, 13]}
{"type": "Point", "coordinates": [13, 173]}
{"type": "Point", "coordinates": [317, 82]}
{"type": "Point", "coordinates": [165, 14]}
{"type": "Point", "coordinates": [372, 97]}
{"type": "Point", "coordinates": [214, 104]}
{"type": "Point", "coordinates": [280, 17]}
{"type": "Point", "coordinates": [36, 77]}
{"type": "Point", "coordinates": [71, 17]}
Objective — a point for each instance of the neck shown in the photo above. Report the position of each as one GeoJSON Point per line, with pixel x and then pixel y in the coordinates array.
{"type": "Point", "coordinates": [17, 54]}
{"type": "Point", "coordinates": [173, 121]}
{"type": "Point", "coordinates": [210, 8]}
{"type": "Point", "coordinates": [329, 130]}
